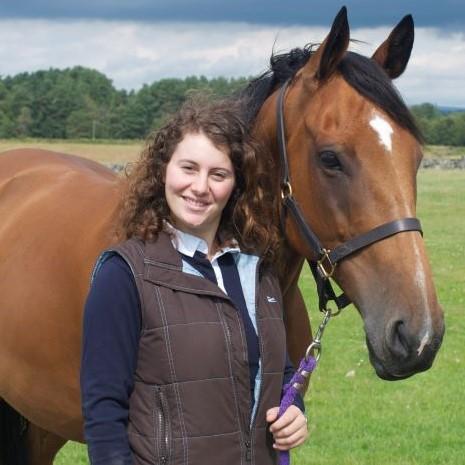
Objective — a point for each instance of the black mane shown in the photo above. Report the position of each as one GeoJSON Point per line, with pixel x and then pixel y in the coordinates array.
{"type": "Point", "coordinates": [361, 73]}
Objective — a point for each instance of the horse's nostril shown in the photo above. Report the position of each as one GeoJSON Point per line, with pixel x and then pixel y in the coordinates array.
{"type": "Point", "coordinates": [398, 341]}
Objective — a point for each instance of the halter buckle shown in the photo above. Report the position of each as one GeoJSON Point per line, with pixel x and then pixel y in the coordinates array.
{"type": "Point", "coordinates": [325, 266]}
{"type": "Point", "coordinates": [286, 190]}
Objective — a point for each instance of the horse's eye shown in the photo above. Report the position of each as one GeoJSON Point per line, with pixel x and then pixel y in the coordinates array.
{"type": "Point", "coordinates": [330, 160]}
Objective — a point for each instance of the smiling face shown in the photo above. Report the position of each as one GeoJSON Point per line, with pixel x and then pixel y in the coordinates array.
{"type": "Point", "coordinates": [199, 180]}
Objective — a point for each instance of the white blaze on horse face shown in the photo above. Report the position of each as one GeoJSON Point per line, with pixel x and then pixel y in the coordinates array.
{"type": "Point", "coordinates": [420, 281]}
{"type": "Point", "coordinates": [384, 131]}
{"type": "Point", "coordinates": [423, 342]}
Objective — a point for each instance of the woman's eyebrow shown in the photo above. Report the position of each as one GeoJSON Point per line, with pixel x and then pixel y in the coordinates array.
{"type": "Point", "coordinates": [187, 160]}
{"type": "Point", "coordinates": [192, 162]}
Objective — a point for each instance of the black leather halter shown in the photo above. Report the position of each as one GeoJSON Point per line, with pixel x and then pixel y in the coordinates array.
{"type": "Point", "coordinates": [326, 260]}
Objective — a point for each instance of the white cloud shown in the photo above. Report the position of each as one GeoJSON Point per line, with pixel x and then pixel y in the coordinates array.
{"type": "Point", "coordinates": [132, 53]}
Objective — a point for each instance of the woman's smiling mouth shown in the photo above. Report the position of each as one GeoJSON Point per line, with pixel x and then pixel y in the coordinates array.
{"type": "Point", "coordinates": [195, 203]}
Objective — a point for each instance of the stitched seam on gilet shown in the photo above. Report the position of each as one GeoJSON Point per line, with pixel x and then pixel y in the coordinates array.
{"type": "Point", "coordinates": [236, 402]}
{"type": "Point", "coordinates": [260, 394]}
{"type": "Point", "coordinates": [166, 266]}
{"type": "Point", "coordinates": [194, 323]}
{"type": "Point", "coordinates": [214, 435]}
{"type": "Point", "coordinates": [200, 380]}
{"type": "Point", "coordinates": [189, 289]}
{"type": "Point", "coordinates": [140, 435]}
{"type": "Point", "coordinates": [145, 331]}
{"type": "Point", "coordinates": [173, 325]}
{"type": "Point", "coordinates": [190, 437]}
{"type": "Point", "coordinates": [244, 356]}
{"type": "Point", "coordinates": [244, 344]}
{"type": "Point", "coordinates": [173, 374]}
{"type": "Point", "coordinates": [210, 378]}
{"type": "Point", "coordinates": [139, 276]}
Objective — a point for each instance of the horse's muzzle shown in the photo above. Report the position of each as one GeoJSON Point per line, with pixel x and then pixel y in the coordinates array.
{"type": "Point", "coordinates": [403, 353]}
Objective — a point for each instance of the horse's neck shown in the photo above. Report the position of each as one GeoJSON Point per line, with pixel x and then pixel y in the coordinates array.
{"type": "Point", "coordinates": [289, 268]}
{"type": "Point", "coordinates": [264, 130]}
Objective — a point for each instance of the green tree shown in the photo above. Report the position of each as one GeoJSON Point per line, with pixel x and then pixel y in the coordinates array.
{"type": "Point", "coordinates": [7, 127]}
{"type": "Point", "coordinates": [425, 111]}
{"type": "Point", "coordinates": [24, 122]}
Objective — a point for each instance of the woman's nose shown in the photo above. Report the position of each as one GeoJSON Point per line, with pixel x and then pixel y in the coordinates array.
{"type": "Point", "coordinates": [200, 184]}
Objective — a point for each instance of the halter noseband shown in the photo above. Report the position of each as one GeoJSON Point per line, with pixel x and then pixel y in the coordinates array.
{"type": "Point", "coordinates": [325, 264]}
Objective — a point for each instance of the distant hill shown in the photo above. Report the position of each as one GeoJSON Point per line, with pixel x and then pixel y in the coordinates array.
{"type": "Point", "coordinates": [445, 109]}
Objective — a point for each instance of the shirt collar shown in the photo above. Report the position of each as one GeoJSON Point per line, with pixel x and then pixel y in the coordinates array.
{"type": "Point", "coordinates": [188, 244]}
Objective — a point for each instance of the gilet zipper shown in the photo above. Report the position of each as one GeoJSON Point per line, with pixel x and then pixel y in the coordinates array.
{"type": "Point", "coordinates": [163, 433]}
{"type": "Point", "coordinates": [249, 426]}
{"type": "Point", "coordinates": [252, 424]}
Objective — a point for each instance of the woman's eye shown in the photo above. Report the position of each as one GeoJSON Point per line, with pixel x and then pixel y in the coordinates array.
{"type": "Point", "coordinates": [219, 176]}
{"type": "Point", "coordinates": [330, 160]}
{"type": "Point", "coordinates": [187, 168]}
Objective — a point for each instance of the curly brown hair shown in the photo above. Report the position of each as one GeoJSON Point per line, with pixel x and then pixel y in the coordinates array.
{"type": "Point", "coordinates": [250, 214]}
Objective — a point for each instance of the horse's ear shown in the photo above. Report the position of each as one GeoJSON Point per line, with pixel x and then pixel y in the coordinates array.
{"type": "Point", "coordinates": [394, 53]}
{"type": "Point", "coordinates": [325, 60]}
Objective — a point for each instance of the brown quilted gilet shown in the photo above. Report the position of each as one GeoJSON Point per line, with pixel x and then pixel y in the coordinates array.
{"type": "Point", "coordinates": [191, 400]}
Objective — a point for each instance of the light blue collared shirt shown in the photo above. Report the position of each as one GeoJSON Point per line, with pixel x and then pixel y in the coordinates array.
{"type": "Point", "coordinates": [188, 244]}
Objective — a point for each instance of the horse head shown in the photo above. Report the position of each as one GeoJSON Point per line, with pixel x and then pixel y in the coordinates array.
{"type": "Point", "coordinates": [354, 152]}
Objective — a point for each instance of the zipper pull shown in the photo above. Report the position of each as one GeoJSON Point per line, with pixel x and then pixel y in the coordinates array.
{"type": "Point", "coordinates": [248, 451]}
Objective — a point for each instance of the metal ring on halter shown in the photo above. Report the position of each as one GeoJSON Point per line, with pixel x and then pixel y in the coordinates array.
{"type": "Point", "coordinates": [286, 190]}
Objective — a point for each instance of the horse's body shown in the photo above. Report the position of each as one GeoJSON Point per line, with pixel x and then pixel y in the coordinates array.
{"type": "Point", "coordinates": [56, 214]}
{"type": "Point", "coordinates": [353, 164]}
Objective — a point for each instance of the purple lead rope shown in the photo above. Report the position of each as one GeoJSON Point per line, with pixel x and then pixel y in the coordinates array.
{"type": "Point", "coordinates": [307, 365]}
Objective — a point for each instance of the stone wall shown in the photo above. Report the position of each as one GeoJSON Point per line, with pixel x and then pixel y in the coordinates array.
{"type": "Point", "coordinates": [444, 163]}
{"type": "Point", "coordinates": [427, 163]}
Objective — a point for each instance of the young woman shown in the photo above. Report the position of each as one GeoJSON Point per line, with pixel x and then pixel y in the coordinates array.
{"type": "Point", "coordinates": [184, 354]}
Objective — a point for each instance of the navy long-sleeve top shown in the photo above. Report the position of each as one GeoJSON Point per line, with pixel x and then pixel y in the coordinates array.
{"type": "Point", "coordinates": [112, 324]}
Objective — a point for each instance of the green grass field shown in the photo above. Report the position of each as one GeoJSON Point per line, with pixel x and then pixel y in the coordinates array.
{"type": "Point", "coordinates": [101, 151]}
{"type": "Point", "coordinates": [443, 151]}
{"type": "Point", "coordinates": [362, 420]}
{"type": "Point", "coordinates": [110, 151]}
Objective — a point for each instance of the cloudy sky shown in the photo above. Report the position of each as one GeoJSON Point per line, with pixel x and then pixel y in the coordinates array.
{"type": "Point", "coordinates": [139, 41]}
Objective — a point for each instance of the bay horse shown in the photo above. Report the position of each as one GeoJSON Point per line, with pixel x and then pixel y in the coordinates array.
{"type": "Point", "coordinates": [354, 152]}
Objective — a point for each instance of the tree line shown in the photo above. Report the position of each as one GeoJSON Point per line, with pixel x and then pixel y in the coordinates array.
{"type": "Point", "coordinates": [80, 103]}
{"type": "Point", "coordinates": [83, 103]}
{"type": "Point", "coordinates": [440, 127]}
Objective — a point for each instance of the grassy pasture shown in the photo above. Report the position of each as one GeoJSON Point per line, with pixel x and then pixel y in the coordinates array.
{"type": "Point", "coordinates": [106, 151]}
{"type": "Point", "coordinates": [443, 151]}
{"type": "Point", "coordinates": [354, 417]}
{"type": "Point", "coordinates": [362, 420]}
{"type": "Point", "coordinates": [101, 151]}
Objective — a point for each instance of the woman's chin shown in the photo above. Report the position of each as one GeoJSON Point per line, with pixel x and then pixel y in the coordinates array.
{"type": "Point", "coordinates": [192, 225]}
